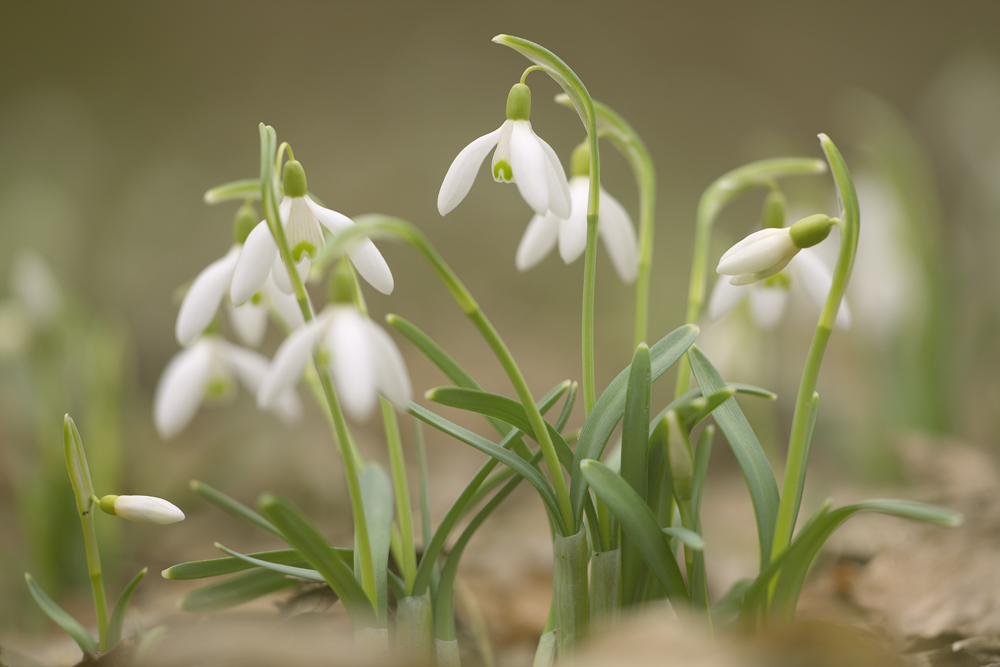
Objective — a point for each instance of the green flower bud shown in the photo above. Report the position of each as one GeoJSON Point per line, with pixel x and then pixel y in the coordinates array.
{"type": "Point", "coordinates": [681, 460]}
{"type": "Point", "coordinates": [807, 232]}
{"type": "Point", "coordinates": [774, 209]}
{"type": "Point", "coordinates": [294, 179]}
{"type": "Point", "coordinates": [108, 504]}
{"type": "Point", "coordinates": [579, 163]}
{"type": "Point", "coordinates": [246, 220]}
{"type": "Point", "coordinates": [519, 102]}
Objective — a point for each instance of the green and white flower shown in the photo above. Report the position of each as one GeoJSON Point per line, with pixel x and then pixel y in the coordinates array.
{"type": "Point", "coordinates": [142, 509]}
{"type": "Point", "coordinates": [767, 251]}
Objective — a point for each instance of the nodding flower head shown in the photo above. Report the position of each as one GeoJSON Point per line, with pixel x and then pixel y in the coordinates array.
{"type": "Point", "coordinates": [768, 251]}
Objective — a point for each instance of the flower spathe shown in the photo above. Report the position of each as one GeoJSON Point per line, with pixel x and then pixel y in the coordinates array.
{"type": "Point", "coordinates": [521, 157]}
{"type": "Point", "coordinates": [142, 509]}
{"type": "Point", "coordinates": [363, 360]}
{"type": "Point", "coordinates": [304, 221]}
{"type": "Point", "coordinates": [208, 368]}
{"type": "Point", "coordinates": [615, 228]}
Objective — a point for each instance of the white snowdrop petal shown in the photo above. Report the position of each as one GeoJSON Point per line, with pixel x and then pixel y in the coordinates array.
{"type": "Point", "coordinates": [816, 279]}
{"type": "Point", "coordinates": [619, 238]}
{"type": "Point", "coordinates": [290, 360]}
{"type": "Point", "coordinates": [393, 379]}
{"type": "Point", "coordinates": [573, 230]}
{"type": "Point", "coordinates": [767, 305]}
{"type": "Point", "coordinates": [249, 322]}
{"type": "Point", "coordinates": [181, 389]}
{"type": "Point", "coordinates": [147, 509]}
{"type": "Point", "coordinates": [559, 197]}
{"type": "Point", "coordinates": [370, 264]}
{"type": "Point", "coordinates": [335, 222]}
{"type": "Point", "coordinates": [280, 273]}
{"type": "Point", "coordinates": [463, 170]}
{"type": "Point", "coordinates": [254, 264]}
{"type": "Point", "coordinates": [748, 278]}
{"type": "Point", "coordinates": [757, 252]}
{"type": "Point", "coordinates": [285, 305]}
{"type": "Point", "coordinates": [538, 240]}
{"type": "Point", "coordinates": [252, 369]}
{"type": "Point", "coordinates": [725, 297]}
{"type": "Point", "coordinates": [352, 363]}
{"type": "Point", "coordinates": [529, 166]}
{"type": "Point", "coordinates": [204, 296]}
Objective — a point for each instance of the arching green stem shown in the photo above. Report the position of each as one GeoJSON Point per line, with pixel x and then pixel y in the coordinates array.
{"type": "Point", "coordinates": [552, 65]}
{"type": "Point", "coordinates": [798, 443]}
{"type": "Point", "coordinates": [726, 188]}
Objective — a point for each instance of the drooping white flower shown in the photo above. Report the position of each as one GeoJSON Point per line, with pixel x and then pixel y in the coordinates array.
{"type": "Point", "coordinates": [304, 221]}
{"type": "Point", "coordinates": [521, 157]}
{"type": "Point", "coordinates": [615, 228]}
{"type": "Point", "coordinates": [142, 509]}
{"type": "Point", "coordinates": [208, 369]}
{"type": "Point", "coordinates": [769, 297]}
{"type": "Point", "coordinates": [767, 251]}
{"type": "Point", "coordinates": [363, 360]}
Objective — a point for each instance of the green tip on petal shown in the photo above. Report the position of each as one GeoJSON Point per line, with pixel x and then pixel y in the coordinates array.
{"type": "Point", "coordinates": [579, 163]}
{"type": "Point", "coordinates": [246, 220]}
{"type": "Point", "coordinates": [807, 232]}
{"type": "Point", "coordinates": [303, 248]}
{"type": "Point", "coordinates": [294, 179]}
{"type": "Point", "coordinates": [519, 102]}
{"type": "Point", "coordinates": [107, 504]}
{"type": "Point", "coordinates": [502, 172]}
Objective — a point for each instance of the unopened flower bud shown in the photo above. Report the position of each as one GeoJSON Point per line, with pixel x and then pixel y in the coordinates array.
{"type": "Point", "coordinates": [142, 509]}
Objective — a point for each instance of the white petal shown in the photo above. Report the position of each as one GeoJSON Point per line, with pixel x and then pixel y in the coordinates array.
{"type": "Point", "coordinates": [747, 278]}
{"type": "Point", "coordinates": [725, 297]}
{"type": "Point", "coordinates": [335, 222]}
{"type": "Point", "coordinates": [816, 280]}
{"type": "Point", "coordinates": [538, 240]}
{"type": "Point", "coordinates": [573, 230]}
{"type": "Point", "coordinates": [290, 360]}
{"type": "Point", "coordinates": [203, 298]}
{"type": "Point", "coordinates": [252, 369]}
{"type": "Point", "coordinates": [181, 389]}
{"type": "Point", "coordinates": [767, 305]}
{"type": "Point", "coordinates": [280, 273]}
{"type": "Point", "coordinates": [393, 380]}
{"type": "Point", "coordinates": [256, 258]}
{"type": "Point", "coordinates": [364, 255]}
{"type": "Point", "coordinates": [757, 252]}
{"type": "Point", "coordinates": [249, 322]}
{"type": "Point", "coordinates": [529, 166]}
{"type": "Point", "coordinates": [462, 171]}
{"type": "Point", "coordinates": [559, 199]}
{"type": "Point", "coordinates": [285, 305]}
{"type": "Point", "coordinates": [147, 509]}
{"type": "Point", "coordinates": [352, 362]}
{"type": "Point", "coordinates": [619, 237]}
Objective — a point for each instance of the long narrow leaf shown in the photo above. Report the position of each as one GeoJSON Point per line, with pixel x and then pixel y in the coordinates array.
{"type": "Point", "coordinates": [610, 406]}
{"type": "Point", "coordinates": [222, 595]}
{"type": "Point", "coordinates": [747, 450]}
{"type": "Point", "coordinates": [72, 627]}
{"type": "Point", "coordinates": [287, 570]}
{"type": "Point", "coordinates": [232, 506]}
{"type": "Point", "coordinates": [201, 569]}
{"type": "Point", "coordinates": [247, 188]}
{"type": "Point", "coordinates": [376, 493]}
{"type": "Point", "coordinates": [639, 524]}
{"type": "Point", "coordinates": [687, 537]}
{"type": "Point", "coordinates": [635, 459]}
{"type": "Point", "coordinates": [302, 535]}
{"type": "Point", "coordinates": [117, 621]}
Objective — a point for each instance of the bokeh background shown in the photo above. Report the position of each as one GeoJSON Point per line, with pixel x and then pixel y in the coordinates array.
{"type": "Point", "coordinates": [115, 117]}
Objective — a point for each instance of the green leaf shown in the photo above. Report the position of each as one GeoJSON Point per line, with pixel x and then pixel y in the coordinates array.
{"type": "Point", "coordinates": [287, 570]}
{"type": "Point", "coordinates": [610, 406]}
{"type": "Point", "coordinates": [121, 608]}
{"type": "Point", "coordinates": [635, 458]}
{"type": "Point", "coordinates": [508, 458]}
{"type": "Point", "coordinates": [639, 525]}
{"type": "Point", "coordinates": [687, 537]}
{"type": "Point", "coordinates": [303, 536]}
{"type": "Point", "coordinates": [749, 454]}
{"type": "Point", "coordinates": [727, 610]}
{"type": "Point", "coordinates": [437, 356]}
{"type": "Point", "coordinates": [247, 188]}
{"type": "Point", "coordinates": [200, 569]}
{"type": "Point", "coordinates": [235, 591]}
{"type": "Point", "coordinates": [376, 494]}
{"type": "Point", "coordinates": [73, 628]}
{"type": "Point", "coordinates": [234, 507]}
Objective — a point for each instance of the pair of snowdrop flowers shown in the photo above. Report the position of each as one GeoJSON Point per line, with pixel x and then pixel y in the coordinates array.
{"type": "Point", "coordinates": [525, 159]}
{"type": "Point", "coordinates": [757, 269]}
{"type": "Point", "coordinates": [251, 273]}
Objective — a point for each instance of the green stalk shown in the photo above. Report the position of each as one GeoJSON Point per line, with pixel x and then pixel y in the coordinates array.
{"type": "Point", "coordinates": [270, 207]}
{"type": "Point", "coordinates": [798, 443]}
{"type": "Point", "coordinates": [726, 188]}
{"type": "Point", "coordinates": [604, 585]}
{"type": "Point", "coordinates": [570, 597]}
{"type": "Point", "coordinates": [402, 491]}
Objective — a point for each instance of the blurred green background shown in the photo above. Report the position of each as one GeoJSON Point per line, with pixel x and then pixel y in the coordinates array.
{"type": "Point", "coordinates": [115, 117]}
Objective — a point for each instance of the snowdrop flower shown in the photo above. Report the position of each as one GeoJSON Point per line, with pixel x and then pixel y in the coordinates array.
{"type": "Point", "coordinates": [521, 157]}
{"type": "Point", "coordinates": [304, 221]}
{"type": "Point", "coordinates": [363, 360]}
{"type": "Point", "coordinates": [769, 298]}
{"type": "Point", "coordinates": [766, 252]}
{"type": "Point", "coordinates": [212, 285]}
{"type": "Point", "coordinates": [207, 370]}
{"type": "Point", "coordinates": [142, 509]}
{"type": "Point", "coordinates": [615, 227]}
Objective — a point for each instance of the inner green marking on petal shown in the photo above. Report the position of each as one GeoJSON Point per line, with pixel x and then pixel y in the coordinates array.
{"type": "Point", "coordinates": [303, 248]}
{"type": "Point", "coordinates": [257, 298]}
{"type": "Point", "coordinates": [779, 280]}
{"type": "Point", "coordinates": [219, 389]}
{"type": "Point", "coordinates": [502, 172]}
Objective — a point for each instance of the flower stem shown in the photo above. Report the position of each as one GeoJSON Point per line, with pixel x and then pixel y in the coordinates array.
{"type": "Point", "coordinates": [798, 443]}
{"type": "Point", "coordinates": [402, 492]}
